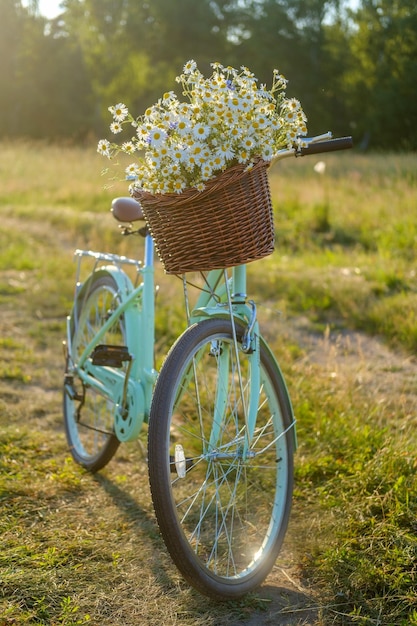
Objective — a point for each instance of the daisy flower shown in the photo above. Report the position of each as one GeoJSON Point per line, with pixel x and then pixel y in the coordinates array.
{"type": "Point", "coordinates": [156, 137]}
{"type": "Point", "coordinates": [116, 127]}
{"type": "Point", "coordinates": [119, 112]}
{"type": "Point", "coordinates": [128, 147]}
{"type": "Point", "coordinates": [103, 147]}
{"type": "Point", "coordinates": [190, 66]}
{"type": "Point", "coordinates": [200, 131]}
{"type": "Point", "coordinates": [224, 119]}
{"type": "Point", "coordinates": [132, 170]}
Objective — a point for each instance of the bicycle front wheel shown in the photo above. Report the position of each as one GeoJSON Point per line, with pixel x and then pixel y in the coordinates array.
{"type": "Point", "coordinates": [222, 508]}
{"type": "Point", "coordinates": [89, 416]}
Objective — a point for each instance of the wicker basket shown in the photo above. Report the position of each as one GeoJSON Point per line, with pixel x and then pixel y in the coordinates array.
{"type": "Point", "coordinates": [227, 224]}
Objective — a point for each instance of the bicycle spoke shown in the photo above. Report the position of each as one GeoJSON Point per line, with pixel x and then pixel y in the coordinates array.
{"type": "Point", "coordinates": [89, 422]}
{"type": "Point", "coordinates": [231, 507]}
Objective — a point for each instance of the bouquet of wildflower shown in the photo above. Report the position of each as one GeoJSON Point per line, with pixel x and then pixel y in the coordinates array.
{"type": "Point", "coordinates": [228, 119]}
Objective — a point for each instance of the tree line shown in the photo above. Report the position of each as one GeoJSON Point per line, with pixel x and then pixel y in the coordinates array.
{"type": "Point", "coordinates": [354, 69]}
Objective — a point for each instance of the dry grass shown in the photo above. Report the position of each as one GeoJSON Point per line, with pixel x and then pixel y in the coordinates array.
{"type": "Point", "coordinates": [85, 549]}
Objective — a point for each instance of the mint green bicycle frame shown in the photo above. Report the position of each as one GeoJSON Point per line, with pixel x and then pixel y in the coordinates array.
{"type": "Point", "coordinates": [224, 297]}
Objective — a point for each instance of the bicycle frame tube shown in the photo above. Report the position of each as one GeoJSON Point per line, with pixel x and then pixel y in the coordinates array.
{"type": "Point", "coordinates": [137, 305]}
{"type": "Point", "coordinates": [216, 292]}
{"type": "Point", "coordinates": [147, 339]}
{"type": "Point", "coordinates": [213, 301]}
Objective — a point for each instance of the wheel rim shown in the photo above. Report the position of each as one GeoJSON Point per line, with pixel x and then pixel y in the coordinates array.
{"type": "Point", "coordinates": [229, 505]}
{"type": "Point", "coordinates": [90, 421]}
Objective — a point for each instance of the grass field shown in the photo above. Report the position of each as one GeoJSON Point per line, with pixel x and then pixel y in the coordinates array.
{"type": "Point", "coordinates": [339, 307]}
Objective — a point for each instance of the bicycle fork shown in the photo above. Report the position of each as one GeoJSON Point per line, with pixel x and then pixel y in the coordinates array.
{"type": "Point", "coordinates": [231, 353]}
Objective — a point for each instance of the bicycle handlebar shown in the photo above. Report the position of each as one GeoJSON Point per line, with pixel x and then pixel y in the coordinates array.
{"type": "Point", "coordinates": [314, 145]}
{"type": "Point", "coordinates": [331, 145]}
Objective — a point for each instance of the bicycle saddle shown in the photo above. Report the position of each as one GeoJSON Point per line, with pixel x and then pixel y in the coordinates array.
{"type": "Point", "coordinates": [127, 210]}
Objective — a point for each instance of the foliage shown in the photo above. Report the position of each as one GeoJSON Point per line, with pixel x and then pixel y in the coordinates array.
{"type": "Point", "coordinates": [45, 87]}
{"type": "Point", "coordinates": [227, 120]}
{"type": "Point", "coordinates": [354, 70]}
{"type": "Point", "coordinates": [383, 78]}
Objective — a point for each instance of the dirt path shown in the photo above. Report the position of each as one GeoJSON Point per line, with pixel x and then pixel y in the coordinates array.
{"type": "Point", "coordinates": [347, 356]}
{"type": "Point", "coordinates": [340, 357]}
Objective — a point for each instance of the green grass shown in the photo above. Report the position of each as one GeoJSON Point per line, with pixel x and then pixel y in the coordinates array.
{"type": "Point", "coordinates": [339, 308]}
{"type": "Point", "coordinates": [347, 243]}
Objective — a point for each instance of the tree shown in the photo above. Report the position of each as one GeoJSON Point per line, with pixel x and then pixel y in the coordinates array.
{"type": "Point", "coordinates": [351, 70]}
{"type": "Point", "coordinates": [382, 83]}
{"type": "Point", "coordinates": [11, 27]}
{"type": "Point", "coordinates": [45, 90]}
{"type": "Point", "coordinates": [134, 49]}
{"type": "Point", "coordinates": [294, 37]}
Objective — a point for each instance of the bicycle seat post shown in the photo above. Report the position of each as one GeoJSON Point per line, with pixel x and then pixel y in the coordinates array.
{"type": "Point", "coordinates": [148, 309]}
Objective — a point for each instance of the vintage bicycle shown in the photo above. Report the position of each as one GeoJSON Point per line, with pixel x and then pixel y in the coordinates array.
{"type": "Point", "coordinates": [222, 430]}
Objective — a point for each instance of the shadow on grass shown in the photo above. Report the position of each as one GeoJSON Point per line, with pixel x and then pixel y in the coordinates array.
{"type": "Point", "coordinates": [140, 518]}
{"type": "Point", "coordinates": [271, 604]}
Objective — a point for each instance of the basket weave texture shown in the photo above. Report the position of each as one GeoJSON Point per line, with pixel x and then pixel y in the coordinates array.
{"type": "Point", "coordinates": [227, 224]}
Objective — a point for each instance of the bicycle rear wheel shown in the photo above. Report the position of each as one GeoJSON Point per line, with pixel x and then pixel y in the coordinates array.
{"type": "Point", "coordinates": [89, 416]}
{"type": "Point", "coordinates": [223, 513]}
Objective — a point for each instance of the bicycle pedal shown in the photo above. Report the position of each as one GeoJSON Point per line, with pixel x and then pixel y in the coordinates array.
{"type": "Point", "coordinates": [113, 356]}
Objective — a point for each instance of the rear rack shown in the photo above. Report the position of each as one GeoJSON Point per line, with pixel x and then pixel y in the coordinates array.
{"type": "Point", "coordinates": [103, 257]}
{"type": "Point", "coordinates": [108, 258]}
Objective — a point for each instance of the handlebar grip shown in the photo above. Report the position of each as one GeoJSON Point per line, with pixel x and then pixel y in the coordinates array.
{"type": "Point", "coordinates": [331, 145]}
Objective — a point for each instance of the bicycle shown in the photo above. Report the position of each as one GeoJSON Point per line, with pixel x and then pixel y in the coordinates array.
{"type": "Point", "coordinates": [222, 429]}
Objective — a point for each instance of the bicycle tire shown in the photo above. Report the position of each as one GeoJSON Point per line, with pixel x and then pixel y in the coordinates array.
{"type": "Point", "coordinates": [223, 520]}
{"type": "Point", "coordinates": [89, 420]}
